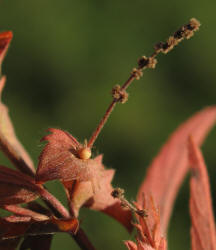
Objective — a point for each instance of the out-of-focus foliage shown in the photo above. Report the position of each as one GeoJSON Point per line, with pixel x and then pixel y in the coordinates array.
{"type": "Point", "coordinates": [65, 58]}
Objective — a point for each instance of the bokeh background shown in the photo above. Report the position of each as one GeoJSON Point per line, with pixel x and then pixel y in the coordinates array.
{"type": "Point", "coordinates": [63, 61]}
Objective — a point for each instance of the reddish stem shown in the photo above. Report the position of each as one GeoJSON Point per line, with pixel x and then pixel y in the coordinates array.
{"type": "Point", "coordinates": [46, 195]}
{"type": "Point", "coordinates": [80, 237]}
{"type": "Point", "coordinates": [101, 124]}
{"type": "Point", "coordinates": [107, 114]}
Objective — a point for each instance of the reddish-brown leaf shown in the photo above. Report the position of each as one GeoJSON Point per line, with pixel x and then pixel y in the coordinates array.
{"type": "Point", "coordinates": [5, 39]}
{"type": "Point", "coordinates": [13, 227]}
{"type": "Point", "coordinates": [16, 187]}
{"type": "Point", "coordinates": [59, 160]}
{"type": "Point", "coordinates": [16, 226]}
{"type": "Point", "coordinates": [168, 169]}
{"type": "Point", "coordinates": [149, 235]}
{"type": "Point", "coordinates": [9, 143]}
{"type": "Point", "coordinates": [203, 233]}
{"type": "Point", "coordinates": [15, 209]}
{"type": "Point", "coordinates": [66, 225]}
{"type": "Point", "coordinates": [100, 199]}
{"type": "Point", "coordinates": [130, 245]}
{"type": "Point", "coordinates": [38, 208]}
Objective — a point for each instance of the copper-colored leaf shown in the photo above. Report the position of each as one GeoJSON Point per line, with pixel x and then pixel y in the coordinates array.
{"type": "Point", "coordinates": [15, 209]}
{"type": "Point", "coordinates": [9, 143]}
{"type": "Point", "coordinates": [36, 242]}
{"type": "Point", "coordinates": [99, 198]}
{"type": "Point", "coordinates": [59, 160]}
{"type": "Point", "coordinates": [5, 39]}
{"type": "Point", "coordinates": [13, 227]}
{"type": "Point", "coordinates": [130, 245]}
{"type": "Point", "coordinates": [149, 235]}
{"type": "Point", "coordinates": [66, 225]}
{"type": "Point", "coordinates": [15, 187]}
{"type": "Point", "coordinates": [168, 169]}
{"type": "Point", "coordinates": [17, 226]}
{"type": "Point", "coordinates": [203, 226]}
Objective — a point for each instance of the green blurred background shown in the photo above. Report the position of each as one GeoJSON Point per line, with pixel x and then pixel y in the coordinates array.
{"type": "Point", "coordinates": [63, 61]}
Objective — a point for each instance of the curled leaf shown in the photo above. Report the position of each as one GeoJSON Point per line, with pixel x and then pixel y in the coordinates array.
{"type": "Point", "coordinates": [16, 226]}
{"type": "Point", "coordinates": [60, 160]}
{"type": "Point", "coordinates": [25, 212]}
{"type": "Point", "coordinates": [16, 188]}
{"type": "Point", "coordinates": [9, 143]}
{"type": "Point", "coordinates": [169, 168]}
{"type": "Point", "coordinates": [203, 233]}
{"type": "Point", "coordinates": [66, 225]}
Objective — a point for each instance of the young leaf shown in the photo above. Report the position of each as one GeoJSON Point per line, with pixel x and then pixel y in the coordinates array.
{"type": "Point", "coordinates": [9, 143]}
{"type": "Point", "coordinates": [169, 168]}
{"type": "Point", "coordinates": [130, 245]}
{"type": "Point", "coordinates": [100, 199]}
{"type": "Point", "coordinates": [25, 212]}
{"type": "Point", "coordinates": [16, 226]}
{"type": "Point", "coordinates": [203, 233]}
{"type": "Point", "coordinates": [5, 39]}
{"type": "Point", "coordinates": [60, 160]}
{"type": "Point", "coordinates": [15, 187]}
{"type": "Point", "coordinates": [149, 235]}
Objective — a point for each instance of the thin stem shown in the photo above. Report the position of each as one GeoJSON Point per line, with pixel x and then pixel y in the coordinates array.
{"type": "Point", "coordinates": [80, 237]}
{"type": "Point", "coordinates": [82, 240]}
{"type": "Point", "coordinates": [186, 31]}
{"type": "Point", "coordinates": [101, 124]}
{"type": "Point", "coordinates": [46, 195]}
{"type": "Point", "coordinates": [108, 113]}
{"type": "Point", "coordinates": [128, 82]}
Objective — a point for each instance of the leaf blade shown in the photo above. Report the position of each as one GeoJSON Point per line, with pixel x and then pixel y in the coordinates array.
{"type": "Point", "coordinates": [168, 169]}
{"type": "Point", "coordinates": [16, 187]}
{"type": "Point", "coordinates": [9, 142]}
{"type": "Point", "coordinates": [100, 198]}
{"type": "Point", "coordinates": [59, 160]}
{"type": "Point", "coordinates": [203, 234]}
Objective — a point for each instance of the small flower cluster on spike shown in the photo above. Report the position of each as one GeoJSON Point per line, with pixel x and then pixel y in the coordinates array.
{"type": "Point", "coordinates": [147, 62]}
{"type": "Point", "coordinates": [186, 31]}
{"type": "Point", "coordinates": [143, 63]}
{"type": "Point", "coordinates": [118, 193]}
{"type": "Point", "coordinates": [119, 95]}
